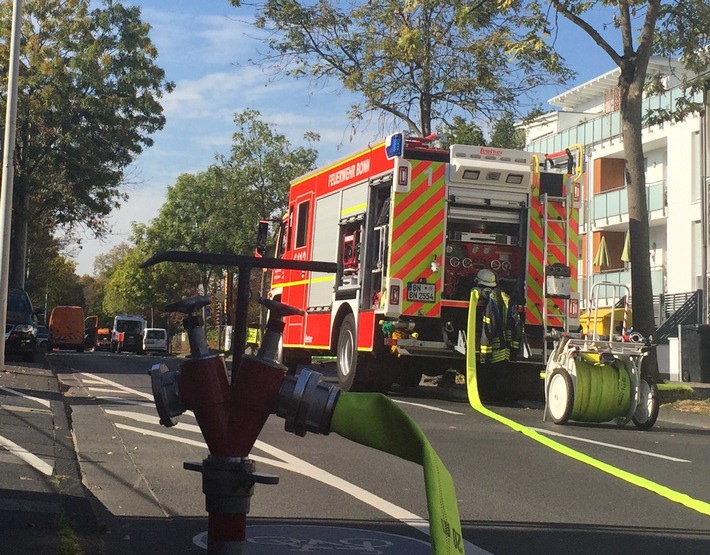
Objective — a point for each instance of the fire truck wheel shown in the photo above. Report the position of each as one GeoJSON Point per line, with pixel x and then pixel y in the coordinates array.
{"type": "Point", "coordinates": [347, 354]}
{"type": "Point", "coordinates": [647, 410]}
{"type": "Point", "coordinates": [560, 396]}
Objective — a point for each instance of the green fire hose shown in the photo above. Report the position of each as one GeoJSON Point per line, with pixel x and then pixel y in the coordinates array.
{"type": "Point", "coordinates": [374, 420]}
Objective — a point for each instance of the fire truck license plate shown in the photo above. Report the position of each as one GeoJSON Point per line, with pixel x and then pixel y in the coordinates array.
{"type": "Point", "coordinates": [421, 292]}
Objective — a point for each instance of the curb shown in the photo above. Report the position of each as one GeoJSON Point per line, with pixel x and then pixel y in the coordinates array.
{"type": "Point", "coordinates": [671, 416]}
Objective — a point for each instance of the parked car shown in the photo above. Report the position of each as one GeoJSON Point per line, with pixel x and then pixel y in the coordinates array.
{"type": "Point", "coordinates": [44, 338]}
{"type": "Point", "coordinates": [20, 327]}
{"type": "Point", "coordinates": [155, 339]}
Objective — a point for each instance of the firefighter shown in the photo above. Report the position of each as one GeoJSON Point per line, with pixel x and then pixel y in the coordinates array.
{"type": "Point", "coordinates": [498, 331]}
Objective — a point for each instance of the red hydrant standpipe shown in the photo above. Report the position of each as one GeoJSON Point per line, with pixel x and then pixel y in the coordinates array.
{"type": "Point", "coordinates": [232, 416]}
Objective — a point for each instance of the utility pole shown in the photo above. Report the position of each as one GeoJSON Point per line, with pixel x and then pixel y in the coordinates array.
{"type": "Point", "coordinates": [8, 169]}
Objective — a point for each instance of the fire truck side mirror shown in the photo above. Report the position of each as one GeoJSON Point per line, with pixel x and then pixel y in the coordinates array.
{"type": "Point", "coordinates": [261, 237]}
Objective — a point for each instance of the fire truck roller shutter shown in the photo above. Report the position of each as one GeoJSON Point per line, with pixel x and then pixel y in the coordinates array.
{"type": "Point", "coordinates": [325, 247]}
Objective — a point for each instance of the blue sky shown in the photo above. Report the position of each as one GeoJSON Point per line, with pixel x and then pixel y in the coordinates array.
{"type": "Point", "coordinates": [204, 46]}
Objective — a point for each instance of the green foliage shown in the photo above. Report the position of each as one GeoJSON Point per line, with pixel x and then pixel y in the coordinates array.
{"type": "Point", "coordinates": [53, 280]}
{"type": "Point", "coordinates": [88, 102]}
{"type": "Point", "coordinates": [213, 211]}
{"type": "Point", "coordinates": [506, 135]}
{"type": "Point", "coordinates": [673, 28]}
{"type": "Point", "coordinates": [417, 62]}
{"type": "Point", "coordinates": [463, 132]}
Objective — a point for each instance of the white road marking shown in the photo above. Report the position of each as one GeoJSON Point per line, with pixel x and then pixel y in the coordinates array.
{"type": "Point", "coordinates": [43, 402]}
{"type": "Point", "coordinates": [429, 407]}
{"type": "Point", "coordinates": [14, 448]}
{"type": "Point", "coordinates": [104, 390]}
{"type": "Point", "coordinates": [118, 386]}
{"type": "Point", "coordinates": [611, 445]}
{"type": "Point", "coordinates": [299, 466]}
{"type": "Point", "coordinates": [25, 455]}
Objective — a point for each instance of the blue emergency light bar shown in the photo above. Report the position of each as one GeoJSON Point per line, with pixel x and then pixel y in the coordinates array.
{"type": "Point", "coordinates": [394, 145]}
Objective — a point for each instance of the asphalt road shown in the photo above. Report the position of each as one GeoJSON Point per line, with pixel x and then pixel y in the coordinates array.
{"type": "Point", "coordinates": [596, 489]}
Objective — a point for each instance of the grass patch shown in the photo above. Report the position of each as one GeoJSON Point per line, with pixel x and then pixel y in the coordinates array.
{"type": "Point", "coordinates": [68, 542]}
{"type": "Point", "coordinates": [674, 386]}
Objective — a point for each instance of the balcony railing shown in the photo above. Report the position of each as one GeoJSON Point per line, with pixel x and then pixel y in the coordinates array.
{"type": "Point", "coordinates": [622, 278]}
{"type": "Point", "coordinates": [614, 204]}
{"type": "Point", "coordinates": [604, 127]}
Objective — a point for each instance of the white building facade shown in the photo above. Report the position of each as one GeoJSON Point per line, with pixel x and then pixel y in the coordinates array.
{"type": "Point", "coordinates": [676, 157]}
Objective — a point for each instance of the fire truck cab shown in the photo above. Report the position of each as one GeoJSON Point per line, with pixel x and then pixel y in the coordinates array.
{"type": "Point", "coordinates": [410, 225]}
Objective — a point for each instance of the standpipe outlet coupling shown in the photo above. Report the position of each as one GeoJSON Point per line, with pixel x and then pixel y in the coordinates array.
{"type": "Point", "coordinates": [166, 393]}
{"type": "Point", "coordinates": [307, 403]}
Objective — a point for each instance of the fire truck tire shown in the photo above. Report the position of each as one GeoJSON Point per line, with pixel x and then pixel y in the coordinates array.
{"type": "Point", "coordinates": [647, 410]}
{"type": "Point", "coordinates": [560, 396]}
{"type": "Point", "coordinates": [347, 355]}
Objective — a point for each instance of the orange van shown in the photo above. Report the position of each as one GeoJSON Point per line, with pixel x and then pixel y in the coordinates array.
{"type": "Point", "coordinates": [67, 326]}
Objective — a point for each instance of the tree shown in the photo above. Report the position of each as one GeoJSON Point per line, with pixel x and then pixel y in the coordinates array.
{"type": "Point", "coordinates": [128, 289]}
{"type": "Point", "coordinates": [462, 132]}
{"type": "Point", "coordinates": [53, 277]}
{"type": "Point", "coordinates": [261, 164]}
{"type": "Point", "coordinates": [676, 28]}
{"type": "Point", "coordinates": [505, 134]}
{"type": "Point", "coordinates": [88, 103]}
{"type": "Point", "coordinates": [416, 62]}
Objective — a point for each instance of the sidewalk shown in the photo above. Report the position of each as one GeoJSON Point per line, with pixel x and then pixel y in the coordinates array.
{"type": "Point", "coordinates": [44, 508]}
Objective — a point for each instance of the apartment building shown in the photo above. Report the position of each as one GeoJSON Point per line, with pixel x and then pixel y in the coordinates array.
{"type": "Point", "coordinates": [676, 183]}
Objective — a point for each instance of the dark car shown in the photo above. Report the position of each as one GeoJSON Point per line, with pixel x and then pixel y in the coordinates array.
{"type": "Point", "coordinates": [44, 338]}
{"type": "Point", "coordinates": [20, 327]}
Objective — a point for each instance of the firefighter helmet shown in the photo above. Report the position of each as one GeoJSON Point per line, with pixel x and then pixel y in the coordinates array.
{"type": "Point", "coordinates": [486, 278]}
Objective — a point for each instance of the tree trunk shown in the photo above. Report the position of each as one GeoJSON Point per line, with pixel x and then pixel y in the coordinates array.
{"type": "Point", "coordinates": [641, 285]}
{"type": "Point", "coordinates": [18, 241]}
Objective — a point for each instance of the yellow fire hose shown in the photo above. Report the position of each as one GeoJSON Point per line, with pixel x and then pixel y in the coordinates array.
{"type": "Point", "coordinates": [372, 419]}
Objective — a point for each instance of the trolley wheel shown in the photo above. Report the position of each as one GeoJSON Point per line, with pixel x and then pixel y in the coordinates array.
{"type": "Point", "coordinates": [647, 410]}
{"type": "Point", "coordinates": [560, 396]}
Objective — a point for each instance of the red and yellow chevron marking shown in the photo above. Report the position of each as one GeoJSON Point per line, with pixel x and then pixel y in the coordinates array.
{"type": "Point", "coordinates": [418, 232]}
{"type": "Point", "coordinates": [555, 254]}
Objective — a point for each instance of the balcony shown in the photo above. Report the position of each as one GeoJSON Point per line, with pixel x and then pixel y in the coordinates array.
{"type": "Point", "coordinates": [602, 127]}
{"type": "Point", "coordinates": [622, 278]}
{"type": "Point", "coordinates": [612, 206]}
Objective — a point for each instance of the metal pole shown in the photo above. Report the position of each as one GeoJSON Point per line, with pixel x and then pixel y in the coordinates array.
{"type": "Point", "coordinates": [705, 183]}
{"type": "Point", "coordinates": [7, 169]}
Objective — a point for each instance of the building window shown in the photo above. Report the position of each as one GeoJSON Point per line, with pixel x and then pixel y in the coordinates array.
{"type": "Point", "coordinates": [695, 170]}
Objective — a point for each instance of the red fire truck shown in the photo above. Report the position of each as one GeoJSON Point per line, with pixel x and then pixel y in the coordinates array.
{"type": "Point", "coordinates": [410, 225]}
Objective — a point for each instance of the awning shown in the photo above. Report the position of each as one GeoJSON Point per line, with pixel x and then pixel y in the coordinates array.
{"type": "Point", "coordinates": [626, 253]}
{"type": "Point", "coordinates": [602, 257]}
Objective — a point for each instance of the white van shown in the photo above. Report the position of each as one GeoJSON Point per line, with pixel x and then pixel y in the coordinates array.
{"type": "Point", "coordinates": [155, 339]}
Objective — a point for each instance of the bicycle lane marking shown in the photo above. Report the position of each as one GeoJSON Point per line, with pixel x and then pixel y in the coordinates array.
{"type": "Point", "coordinates": [20, 452]}
{"type": "Point", "coordinates": [299, 466]}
